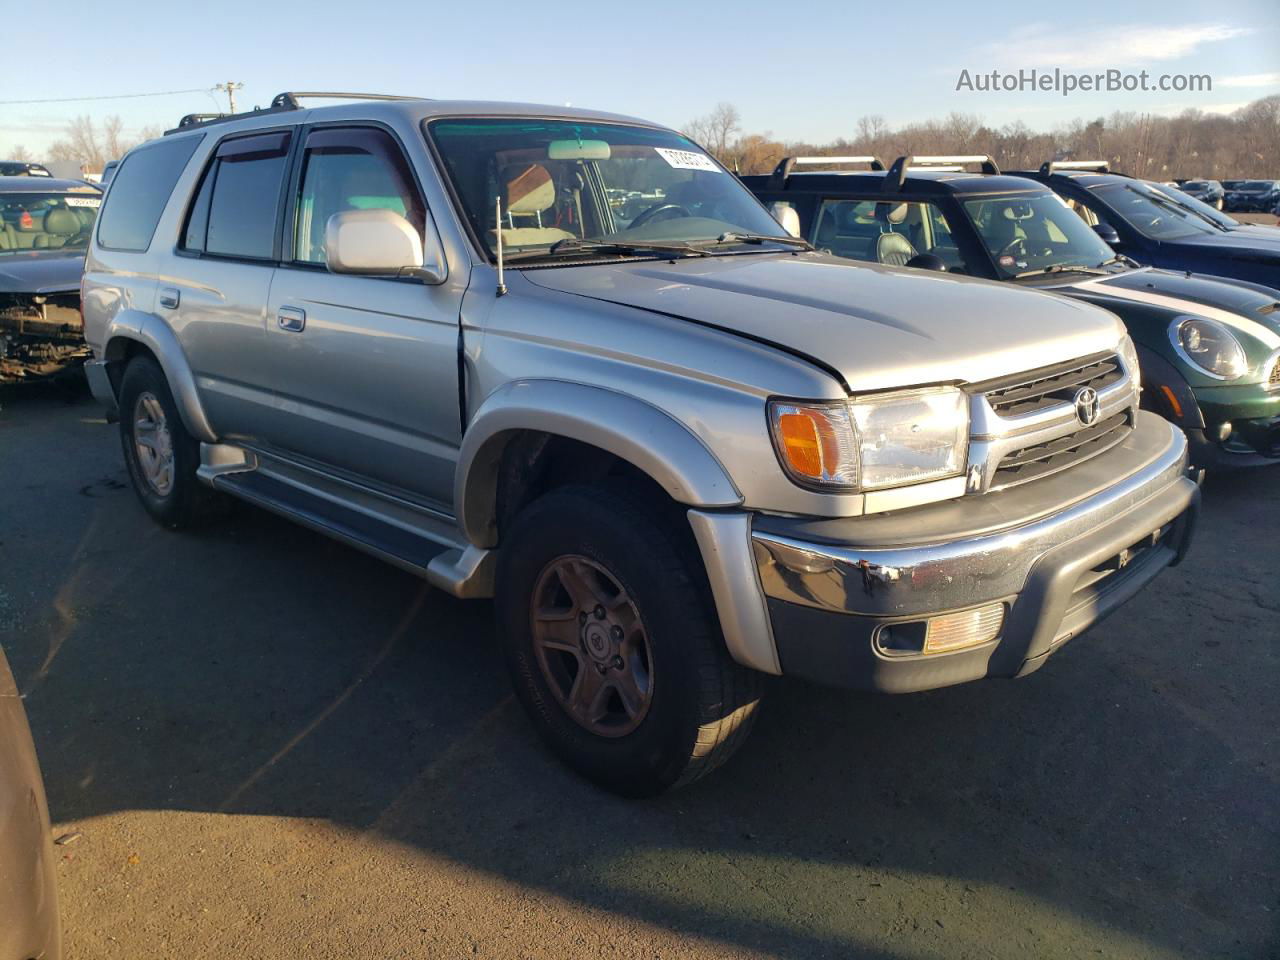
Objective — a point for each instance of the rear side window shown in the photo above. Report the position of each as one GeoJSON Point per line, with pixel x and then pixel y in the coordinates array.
{"type": "Point", "coordinates": [236, 208]}
{"type": "Point", "coordinates": [139, 191]}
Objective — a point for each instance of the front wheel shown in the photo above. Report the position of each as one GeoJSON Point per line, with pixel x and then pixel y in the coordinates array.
{"type": "Point", "coordinates": [613, 645]}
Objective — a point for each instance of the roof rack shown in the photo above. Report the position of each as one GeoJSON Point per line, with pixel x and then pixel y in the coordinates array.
{"type": "Point", "coordinates": [1094, 166]}
{"type": "Point", "coordinates": [280, 103]}
{"type": "Point", "coordinates": [897, 175]}
{"type": "Point", "coordinates": [783, 169]}
{"type": "Point", "coordinates": [289, 99]}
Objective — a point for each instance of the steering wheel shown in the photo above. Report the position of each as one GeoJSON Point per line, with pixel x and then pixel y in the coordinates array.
{"type": "Point", "coordinates": [657, 210]}
{"type": "Point", "coordinates": [1008, 248]}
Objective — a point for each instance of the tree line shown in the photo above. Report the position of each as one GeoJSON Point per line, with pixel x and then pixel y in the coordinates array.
{"type": "Point", "coordinates": [1192, 144]}
{"type": "Point", "coordinates": [87, 143]}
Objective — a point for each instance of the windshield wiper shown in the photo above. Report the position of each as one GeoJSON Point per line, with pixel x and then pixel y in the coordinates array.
{"type": "Point", "coordinates": [621, 247]}
{"type": "Point", "coordinates": [1063, 268]}
{"type": "Point", "coordinates": [754, 238]}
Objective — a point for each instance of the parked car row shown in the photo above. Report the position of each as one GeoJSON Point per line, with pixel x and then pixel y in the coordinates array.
{"type": "Point", "coordinates": [1207, 346]}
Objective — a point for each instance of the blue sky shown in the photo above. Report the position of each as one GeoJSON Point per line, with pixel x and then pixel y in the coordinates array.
{"type": "Point", "coordinates": [801, 71]}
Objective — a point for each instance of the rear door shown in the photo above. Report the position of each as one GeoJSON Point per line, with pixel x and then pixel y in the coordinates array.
{"type": "Point", "coordinates": [365, 369]}
{"type": "Point", "coordinates": [217, 304]}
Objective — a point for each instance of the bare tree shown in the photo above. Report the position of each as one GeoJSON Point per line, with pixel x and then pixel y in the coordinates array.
{"type": "Point", "coordinates": [17, 153]}
{"type": "Point", "coordinates": [91, 146]}
{"type": "Point", "coordinates": [715, 130]}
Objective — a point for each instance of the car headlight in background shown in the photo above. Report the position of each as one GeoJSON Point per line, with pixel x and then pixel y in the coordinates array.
{"type": "Point", "coordinates": [1209, 347]}
{"type": "Point", "coordinates": [873, 442]}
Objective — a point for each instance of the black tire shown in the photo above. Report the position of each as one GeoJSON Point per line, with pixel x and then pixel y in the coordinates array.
{"type": "Point", "coordinates": [186, 499]}
{"type": "Point", "coordinates": [701, 704]}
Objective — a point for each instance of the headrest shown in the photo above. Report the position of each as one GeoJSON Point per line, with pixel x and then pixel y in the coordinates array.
{"type": "Point", "coordinates": [29, 222]}
{"type": "Point", "coordinates": [529, 189]}
{"type": "Point", "coordinates": [891, 212]}
{"type": "Point", "coordinates": [62, 222]}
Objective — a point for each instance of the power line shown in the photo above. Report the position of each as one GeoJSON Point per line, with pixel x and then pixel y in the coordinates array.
{"type": "Point", "coordinates": [117, 96]}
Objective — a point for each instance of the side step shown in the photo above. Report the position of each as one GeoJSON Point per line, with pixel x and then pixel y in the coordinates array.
{"type": "Point", "coordinates": [422, 545]}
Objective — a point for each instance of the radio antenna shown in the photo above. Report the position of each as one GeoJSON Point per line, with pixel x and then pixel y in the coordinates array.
{"type": "Point", "coordinates": [502, 286]}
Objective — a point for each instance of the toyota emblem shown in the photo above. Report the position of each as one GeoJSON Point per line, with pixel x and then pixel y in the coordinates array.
{"type": "Point", "coordinates": [1086, 402]}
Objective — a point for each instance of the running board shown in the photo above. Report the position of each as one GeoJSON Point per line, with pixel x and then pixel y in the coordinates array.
{"type": "Point", "coordinates": [407, 535]}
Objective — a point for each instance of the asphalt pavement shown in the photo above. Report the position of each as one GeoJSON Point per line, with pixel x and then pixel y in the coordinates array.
{"type": "Point", "coordinates": [274, 746]}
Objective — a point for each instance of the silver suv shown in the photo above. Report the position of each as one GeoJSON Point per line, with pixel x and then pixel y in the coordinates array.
{"type": "Point", "coordinates": [565, 360]}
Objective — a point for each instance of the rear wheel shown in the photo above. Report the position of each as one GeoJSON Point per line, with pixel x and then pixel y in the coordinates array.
{"type": "Point", "coordinates": [161, 456]}
{"type": "Point", "coordinates": [613, 645]}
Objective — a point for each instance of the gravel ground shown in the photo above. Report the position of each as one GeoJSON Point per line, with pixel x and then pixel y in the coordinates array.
{"type": "Point", "coordinates": [275, 746]}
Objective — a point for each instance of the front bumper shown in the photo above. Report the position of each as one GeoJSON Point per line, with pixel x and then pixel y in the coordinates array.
{"type": "Point", "coordinates": [1060, 554]}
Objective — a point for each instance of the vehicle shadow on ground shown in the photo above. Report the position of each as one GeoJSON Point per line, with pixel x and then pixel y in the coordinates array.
{"type": "Point", "coordinates": [255, 667]}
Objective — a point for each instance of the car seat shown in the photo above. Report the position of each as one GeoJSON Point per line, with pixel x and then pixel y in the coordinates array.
{"type": "Point", "coordinates": [893, 249]}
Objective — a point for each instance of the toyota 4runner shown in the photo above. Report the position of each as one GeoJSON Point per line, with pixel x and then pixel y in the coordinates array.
{"type": "Point", "coordinates": [565, 360]}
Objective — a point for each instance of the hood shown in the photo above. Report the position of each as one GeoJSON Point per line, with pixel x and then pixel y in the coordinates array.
{"type": "Point", "coordinates": [1245, 244]}
{"type": "Point", "coordinates": [877, 327]}
{"type": "Point", "coordinates": [1243, 307]}
{"type": "Point", "coordinates": [1194, 291]}
{"type": "Point", "coordinates": [41, 271]}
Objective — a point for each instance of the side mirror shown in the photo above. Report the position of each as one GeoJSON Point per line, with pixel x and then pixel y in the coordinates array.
{"type": "Point", "coordinates": [928, 261]}
{"type": "Point", "coordinates": [787, 217]}
{"type": "Point", "coordinates": [1107, 232]}
{"type": "Point", "coordinates": [381, 243]}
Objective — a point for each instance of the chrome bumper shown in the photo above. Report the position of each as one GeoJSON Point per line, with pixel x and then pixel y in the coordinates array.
{"type": "Point", "coordinates": [828, 586]}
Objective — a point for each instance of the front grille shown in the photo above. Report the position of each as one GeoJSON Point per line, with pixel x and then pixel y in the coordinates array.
{"type": "Point", "coordinates": [1053, 386]}
{"type": "Point", "coordinates": [1042, 459]}
{"type": "Point", "coordinates": [1274, 380]}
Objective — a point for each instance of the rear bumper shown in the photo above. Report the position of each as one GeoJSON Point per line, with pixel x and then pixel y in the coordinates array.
{"type": "Point", "coordinates": [832, 587]}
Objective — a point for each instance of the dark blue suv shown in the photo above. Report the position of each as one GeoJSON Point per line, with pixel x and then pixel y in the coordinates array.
{"type": "Point", "coordinates": [1143, 221]}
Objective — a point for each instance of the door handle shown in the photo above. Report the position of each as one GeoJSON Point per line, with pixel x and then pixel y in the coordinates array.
{"type": "Point", "coordinates": [169, 297]}
{"type": "Point", "coordinates": [291, 319]}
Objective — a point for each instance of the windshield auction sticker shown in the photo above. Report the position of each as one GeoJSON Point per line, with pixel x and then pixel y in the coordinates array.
{"type": "Point", "coordinates": [687, 160]}
{"type": "Point", "coordinates": [82, 201]}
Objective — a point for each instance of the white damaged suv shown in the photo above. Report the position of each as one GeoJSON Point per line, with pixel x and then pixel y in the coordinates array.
{"type": "Point", "coordinates": [565, 360]}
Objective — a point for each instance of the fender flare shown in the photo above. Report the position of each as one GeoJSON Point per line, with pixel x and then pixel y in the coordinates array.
{"type": "Point", "coordinates": [156, 335]}
{"type": "Point", "coordinates": [1159, 374]}
{"type": "Point", "coordinates": [629, 428]}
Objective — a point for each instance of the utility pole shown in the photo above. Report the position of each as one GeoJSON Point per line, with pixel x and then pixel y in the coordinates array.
{"type": "Point", "coordinates": [230, 88]}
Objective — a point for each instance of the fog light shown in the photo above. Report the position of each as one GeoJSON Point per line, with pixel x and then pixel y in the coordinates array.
{"type": "Point", "coordinates": [968, 628]}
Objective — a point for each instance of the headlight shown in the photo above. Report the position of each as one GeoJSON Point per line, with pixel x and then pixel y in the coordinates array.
{"type": "Point", "coordinates": [1129, 354]}
{"type": "Point", "coordinates": [1209, 347]}
{"type": "Point", "coordinates": [911, 436]}
{"type": "Point", "coordinates": [884, 440]}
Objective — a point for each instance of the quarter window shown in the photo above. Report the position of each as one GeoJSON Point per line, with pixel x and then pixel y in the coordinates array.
{"type": "Point", "coordinates": [139, 192]}
{"type": "Point", "coordinates": [350, 168]}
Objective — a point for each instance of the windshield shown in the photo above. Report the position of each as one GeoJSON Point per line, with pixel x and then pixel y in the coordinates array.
{"type": "Point", "coordinates": [1152, 213]}
{"type": "Point", "coordinates": [1256, 186]}
{"type": "Point", "coordinates": [569, 185]}
{"type": "Point", "coordinates": [1200, 207]}
{"type": "Point", "coordinates": [1025, 234]}
{"type": "Point", "coordinates": [46, 221]}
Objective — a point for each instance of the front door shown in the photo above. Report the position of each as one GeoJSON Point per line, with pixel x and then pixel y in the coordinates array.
{"type": "Point", "coordinates": [365, 369]}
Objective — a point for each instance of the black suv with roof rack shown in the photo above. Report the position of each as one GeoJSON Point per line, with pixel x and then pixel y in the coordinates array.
{"type": "Point", "coordinates": [1208, 347]}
